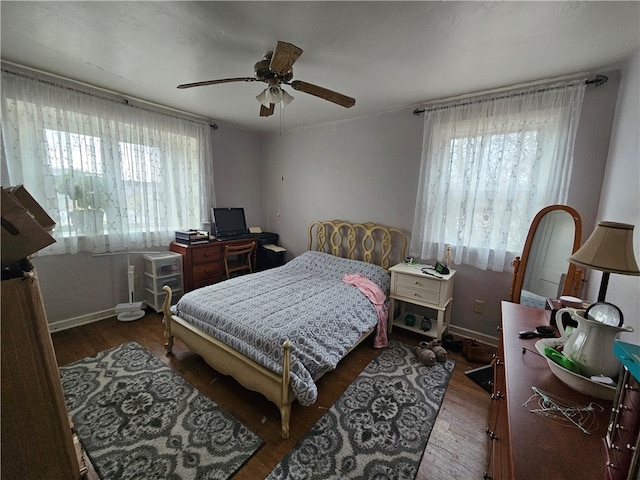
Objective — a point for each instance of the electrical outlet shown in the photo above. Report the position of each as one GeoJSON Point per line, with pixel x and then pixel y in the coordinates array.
{"type": "Point", "coordinates": [478, 306]}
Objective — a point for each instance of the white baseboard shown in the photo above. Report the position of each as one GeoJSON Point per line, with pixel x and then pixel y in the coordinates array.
{"type": "Point", "coordinates": [81, 320]}
{"type": "Point", "coordinates": [467, 333]}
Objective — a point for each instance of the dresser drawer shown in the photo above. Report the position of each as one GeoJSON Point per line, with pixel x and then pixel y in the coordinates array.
{"type": "Point", "coordinates": [417, 288]}
{"type": "Point", "coordinates": [202, 256]}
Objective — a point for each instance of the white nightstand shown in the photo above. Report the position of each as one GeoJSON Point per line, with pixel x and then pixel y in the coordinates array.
{"type": "Point", "coordinates": [410, 285]}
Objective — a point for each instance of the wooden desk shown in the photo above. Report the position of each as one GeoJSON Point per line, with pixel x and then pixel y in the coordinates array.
{"type": "Point", "coordinates": [202, 264]}
{"type": "Point", "coordinates": [527, 445]}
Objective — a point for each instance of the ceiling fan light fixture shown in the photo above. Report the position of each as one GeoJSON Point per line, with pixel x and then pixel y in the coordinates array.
{"type": "Point", "coordinates": [262, 98]}
{"type": "Point", "coordinates": [286, 98]}
{"type": "Point", "coordinates": [275, 95]}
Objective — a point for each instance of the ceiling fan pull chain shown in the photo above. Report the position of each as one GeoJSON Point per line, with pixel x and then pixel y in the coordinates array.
{"type": "Point", "coordinates": [281, 103]}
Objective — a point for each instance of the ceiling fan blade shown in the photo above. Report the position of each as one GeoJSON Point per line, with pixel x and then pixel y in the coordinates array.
{"type": "Point", "coordinates": [283, 58]}
{"type": "Point", "coordinates": [214, 82]}
{"type": "Point", "coordinates": [324, 93]}
{"type": "Point", "coordinates": [267, 111]}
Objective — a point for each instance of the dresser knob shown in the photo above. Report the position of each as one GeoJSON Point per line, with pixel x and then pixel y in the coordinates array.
{"type": "Point", "coordinates": [631, 447]}
{"type": "Point", "coordinates": [630, 387]}
{"type": "Point", "coordinates": [611, 465]}
{"type": "Point", "coordinates": [620, 427]}
{"type": "Point", "coordinates": [499, 328]}
{"type": "Point", "coordinates": [497, 395]}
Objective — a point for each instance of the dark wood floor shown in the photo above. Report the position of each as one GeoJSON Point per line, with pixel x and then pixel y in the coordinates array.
{"type": "Point", "coordinates": [457, 448]}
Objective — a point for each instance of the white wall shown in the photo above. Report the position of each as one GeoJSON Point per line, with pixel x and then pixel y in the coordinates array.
{"type": "Point", "coordinates": [367, 170]}
{"type": "Point", "coordinates": [620, 198]}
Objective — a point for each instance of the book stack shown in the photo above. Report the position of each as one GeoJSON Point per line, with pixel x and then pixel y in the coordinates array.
{"type": "Point", "coordinates": [191, 237]}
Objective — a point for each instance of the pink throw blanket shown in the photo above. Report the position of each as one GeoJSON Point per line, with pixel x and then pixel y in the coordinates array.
{"type": "Point", "coordinates": [376, 296]}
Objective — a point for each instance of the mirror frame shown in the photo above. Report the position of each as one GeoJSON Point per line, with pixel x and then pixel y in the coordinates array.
{"type": "Point", "coordinates": [574, 274]}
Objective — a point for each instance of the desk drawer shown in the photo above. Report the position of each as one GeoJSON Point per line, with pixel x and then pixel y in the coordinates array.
{"type": "Point", "coordinates": [417, 288]}
{"type": "Point", "coordinates": [202, 256]}
{"type": "Point", "coordinates": [206, 274]}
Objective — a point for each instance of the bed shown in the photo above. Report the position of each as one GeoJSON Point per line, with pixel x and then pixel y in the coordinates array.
{"type": "Point", "coordinates": [277, 331]}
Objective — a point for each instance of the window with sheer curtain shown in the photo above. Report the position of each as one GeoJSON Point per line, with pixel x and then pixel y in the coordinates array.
{"type": "Point", "coordinates": [488, 166]}
{"type": "Point", "coordinates": [112, 175]}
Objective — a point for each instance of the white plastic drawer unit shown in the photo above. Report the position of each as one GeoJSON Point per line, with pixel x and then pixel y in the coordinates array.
{"type": "Point", "coordinates": [155, 284]}
{"type": "Point", "coordinates": [160, 269]}
{"type": "Point", "coordinates": [155, 300]}
{"type": "Point", "coordinates": [162, 264]}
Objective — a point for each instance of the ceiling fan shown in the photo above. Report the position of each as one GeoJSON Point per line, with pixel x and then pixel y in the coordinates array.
{"type": "Point", "coordinates": [276, 69]}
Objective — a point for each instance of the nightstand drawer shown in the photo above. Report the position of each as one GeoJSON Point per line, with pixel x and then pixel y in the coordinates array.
{"type": "Point", "coordinates": [418, 288]}
{"type": "Point", "coordinates": [206, 255]}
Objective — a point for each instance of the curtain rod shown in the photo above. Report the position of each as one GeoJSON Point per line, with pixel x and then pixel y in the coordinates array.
{"type": "Point", "coordinates": [92, 90]}
{"type": "Point", "coordinates": [596, 82]}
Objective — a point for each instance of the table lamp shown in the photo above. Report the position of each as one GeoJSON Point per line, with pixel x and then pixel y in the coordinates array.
{"type": "Point", "coordinates": [610, 250]}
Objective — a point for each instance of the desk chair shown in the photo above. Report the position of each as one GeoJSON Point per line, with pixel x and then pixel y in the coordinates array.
{"type": "Point", "coordinates": [237, 258]}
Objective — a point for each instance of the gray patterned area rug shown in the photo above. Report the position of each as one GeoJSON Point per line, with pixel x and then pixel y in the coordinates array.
{"type": "Point", "coordinates": [378, 428]}
{"type": "Point", "coordinates": [137, 418]}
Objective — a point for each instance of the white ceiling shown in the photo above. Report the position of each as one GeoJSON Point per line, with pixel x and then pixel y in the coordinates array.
{"type": "Point", "coordinates": [388, 55]}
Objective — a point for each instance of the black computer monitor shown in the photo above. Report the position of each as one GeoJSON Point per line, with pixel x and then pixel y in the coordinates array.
{"type": "Point", "coordinates": [229, 222]}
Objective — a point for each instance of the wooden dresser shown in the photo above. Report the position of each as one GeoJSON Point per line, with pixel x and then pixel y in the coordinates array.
{"type": "Point", "coordinates": [37, 440]}
{"type": "Point", "coordinates": [203, 264]}
{"type": "Point", "coordinates": [527, 445]}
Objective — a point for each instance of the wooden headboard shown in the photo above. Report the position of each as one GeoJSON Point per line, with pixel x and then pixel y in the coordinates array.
{"type": "Point", "coordinates": [368, 242]}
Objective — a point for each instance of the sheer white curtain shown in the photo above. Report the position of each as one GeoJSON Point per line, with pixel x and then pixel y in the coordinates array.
{"type": "Point", "coordinates": [488, 165]}
{"type": "Point", "coordinates": [110, 174]}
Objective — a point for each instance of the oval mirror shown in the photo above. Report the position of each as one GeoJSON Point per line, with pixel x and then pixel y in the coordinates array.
{"type": "Point", "coordinates": [544, 271]}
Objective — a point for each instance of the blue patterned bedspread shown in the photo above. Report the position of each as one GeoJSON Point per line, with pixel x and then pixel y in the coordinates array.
{"type": "Point", "coordinates": [305, 301]}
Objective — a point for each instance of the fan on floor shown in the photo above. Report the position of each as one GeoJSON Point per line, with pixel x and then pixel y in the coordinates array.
{"type": "Point", "coordinates": [276, 69]}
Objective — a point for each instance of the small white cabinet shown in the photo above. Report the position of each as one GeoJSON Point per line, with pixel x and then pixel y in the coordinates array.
{"type": "Point", "coordinates": [410, 285]}
{"type": "Point", "coordinates": [162, 269]}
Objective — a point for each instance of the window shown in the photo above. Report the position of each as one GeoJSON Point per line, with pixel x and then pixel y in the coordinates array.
{"type": "Point", "coordinates": [112, 176]}
{"type": "Point", "coordinates": [487, 167]}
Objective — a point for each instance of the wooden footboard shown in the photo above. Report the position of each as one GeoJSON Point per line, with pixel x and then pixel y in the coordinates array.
{"type": "Point", "coordinates": [276, 388]}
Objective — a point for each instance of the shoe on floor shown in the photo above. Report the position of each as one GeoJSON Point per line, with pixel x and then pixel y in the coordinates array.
{"type": "Point", "coordinates": [434, 346]}
{"type": "Point", "coordinates": [479, 353]}
{"type": "Point", "coordinates": [425, 356]}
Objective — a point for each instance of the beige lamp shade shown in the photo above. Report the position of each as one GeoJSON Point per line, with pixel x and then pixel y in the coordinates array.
{"type": "Point", "coordinates": [608, 249]}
